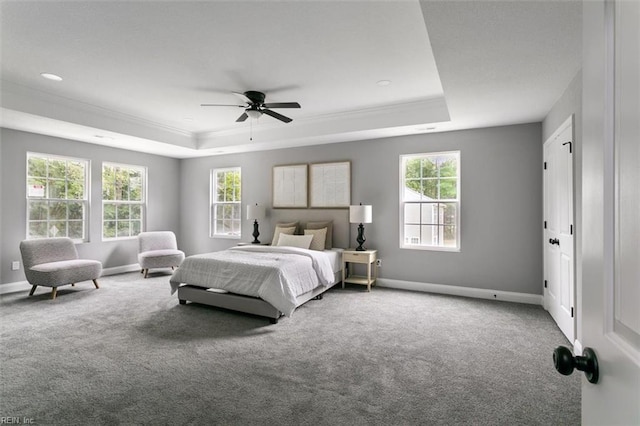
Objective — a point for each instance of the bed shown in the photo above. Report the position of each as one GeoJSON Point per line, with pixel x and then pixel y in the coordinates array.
{"type": "Point", "coordinates": [265, 280]}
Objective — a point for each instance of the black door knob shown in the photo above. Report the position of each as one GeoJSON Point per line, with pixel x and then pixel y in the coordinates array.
{"type": "Point", "coordinates": [565, 362]}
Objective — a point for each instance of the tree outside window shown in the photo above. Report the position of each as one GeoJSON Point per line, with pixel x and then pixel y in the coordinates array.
{"type": "Point", "coordinates": [57, 201]}
{"type": "Point", "coordinates": [123, 200]}
{"type": "Point", "coordinates": [430, 201]}
{"type": "Point", "coordinates": [226, 207]}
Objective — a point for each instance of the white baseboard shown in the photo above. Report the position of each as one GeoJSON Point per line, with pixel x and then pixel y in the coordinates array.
{"type": "Point", "coordinates": [14, 287]}
{"type": "Point", "coordinates": [25, 286]}
{"type": "Point", "coordinates": [121, 269]}
{"type": "Point", "coordinates": [478, 293]}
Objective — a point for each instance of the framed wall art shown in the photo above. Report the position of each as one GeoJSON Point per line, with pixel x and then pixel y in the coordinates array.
{"type": "Point", "coordinates": [330, 185]}
{"type": "Point", "coordinates": [290, 186]}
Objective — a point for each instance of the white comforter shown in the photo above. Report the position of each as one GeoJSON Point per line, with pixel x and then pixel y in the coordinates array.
{"type": "Point", "coordinates": [276, 274]}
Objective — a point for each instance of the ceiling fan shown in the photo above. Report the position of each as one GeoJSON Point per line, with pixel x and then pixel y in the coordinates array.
{"type": "Point", "coordinates": [254, 106]}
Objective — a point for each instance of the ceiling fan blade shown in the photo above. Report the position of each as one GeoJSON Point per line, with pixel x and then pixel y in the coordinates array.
{"type": "Point", "coordinates": [240, 106]}
{"type": "Point", "coordinates": [243, 97]}
{"type": "Point", "coordinates": [243, 117]}
{"type": "Point", "coordinates": [282, 105]}
{"type": "Point", "coordinates": [276, 115]}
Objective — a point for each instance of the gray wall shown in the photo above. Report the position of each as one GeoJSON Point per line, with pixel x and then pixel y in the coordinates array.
{"type": "Point", "coordinates": [501, 246]}
{"type": "Point", "coordinates": [162, 212]}
{"type": "Point", "coordinates": [570, 102]}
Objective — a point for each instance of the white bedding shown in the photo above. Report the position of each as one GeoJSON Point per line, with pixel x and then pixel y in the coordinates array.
{"type": "Point", "coordinates": [276, 274]}
{"type": "Point", "coordinates": [335, 258]}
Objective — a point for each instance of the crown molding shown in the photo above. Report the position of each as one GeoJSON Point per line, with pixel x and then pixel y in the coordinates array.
{"type": "Point", "coordinates": [37, 102]}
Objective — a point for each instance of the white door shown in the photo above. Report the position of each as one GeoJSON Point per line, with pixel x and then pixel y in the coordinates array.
{"type": "Point", "coordinates": [559, 284]}
{"type": "Point", "coordinates": [610, 302]}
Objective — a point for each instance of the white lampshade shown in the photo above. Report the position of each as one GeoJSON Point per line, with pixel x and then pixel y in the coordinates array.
{"type": "Point", "coordinates": [360, 214]}
{"type": "Point", "coordinates": [254, 113]}
{"type": "Point", "coordinates": [255, 212]}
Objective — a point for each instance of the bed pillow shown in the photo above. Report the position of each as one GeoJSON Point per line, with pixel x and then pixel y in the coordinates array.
{"type": "Point", "coordinates": [319, 238]}
{"type": "Point", "coordinates": [295, 224]}
{"type": "Point", "coordinates": [328, 244]}
{"type": "Point", "coordinates": [281, 230]}
{"type": "Point", "coordinates": [300, 241]}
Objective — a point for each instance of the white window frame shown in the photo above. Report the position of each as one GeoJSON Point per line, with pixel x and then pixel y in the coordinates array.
{"type": "Point", "coordinates": [36, 194]}
{"type": "Point", "coordinates": [142, 203]}
{"type": "Point", "coordinates": [406, 242]}
{"type": "Point", "coordinates": [214, 202]}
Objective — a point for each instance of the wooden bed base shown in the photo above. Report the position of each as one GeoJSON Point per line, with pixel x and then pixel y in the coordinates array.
{"type": "Point", "coordinates": [240, 303]}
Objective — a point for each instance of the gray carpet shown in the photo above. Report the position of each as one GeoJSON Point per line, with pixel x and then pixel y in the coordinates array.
{"type": "Point", "coordinates": [130, 354]}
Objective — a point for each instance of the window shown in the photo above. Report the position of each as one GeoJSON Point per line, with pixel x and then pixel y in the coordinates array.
{"type": "Point", "coordinates": [57, 201]}
{"type": "Point", "coordinates": [226, 202]}
{"type": "Point", "coordinates": [123, 200]}
{"type": "Point", "coordinates": [430, 201]}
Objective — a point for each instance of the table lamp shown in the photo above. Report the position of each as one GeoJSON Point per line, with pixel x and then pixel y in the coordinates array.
{"type": "Point", "coordinates": [255, 212]}
{"type": "Point", "coordinates": [360, 214]}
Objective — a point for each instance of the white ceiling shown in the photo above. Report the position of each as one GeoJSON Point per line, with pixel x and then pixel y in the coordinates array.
{"type": "Point", "coordinates": [135, 73]}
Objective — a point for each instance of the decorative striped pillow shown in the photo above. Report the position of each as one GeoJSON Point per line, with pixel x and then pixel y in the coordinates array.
{"type": "Point", "coordinates": [319, 238]}
{"type": "Point", "coordinates": [325, 224]}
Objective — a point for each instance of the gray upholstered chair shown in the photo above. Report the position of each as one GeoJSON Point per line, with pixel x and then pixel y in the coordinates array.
{"type": "Point", "coordinates": [53, 262]}
{"type": "Point", "coordinates": [158, 249]}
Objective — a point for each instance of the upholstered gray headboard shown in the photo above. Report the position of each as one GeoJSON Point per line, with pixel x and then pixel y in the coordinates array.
{"type": "Point", "coordinates": [340, 218]}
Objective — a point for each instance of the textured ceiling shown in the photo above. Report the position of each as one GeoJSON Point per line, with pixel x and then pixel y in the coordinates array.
{"type": "Point", "coordinates": [135, 73]}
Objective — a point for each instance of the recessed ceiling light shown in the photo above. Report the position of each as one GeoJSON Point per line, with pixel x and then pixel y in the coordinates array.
{"type": "Point", "coordinates": [51, 77]}
{"type": "Point", "coordinates": [188, 119]}
{"type": "Point", "coordinates": [103, 137]}
{"type": "Point", "coordinates": [383, 82]}
{"type": "Point", "coordinates": [425, 128]}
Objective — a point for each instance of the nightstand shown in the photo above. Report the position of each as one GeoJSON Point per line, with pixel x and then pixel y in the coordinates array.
{"type": "Point", "coordinates": [366, 257]}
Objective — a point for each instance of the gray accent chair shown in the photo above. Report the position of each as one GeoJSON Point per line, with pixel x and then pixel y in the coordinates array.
{"type": "Point", "coordinates": [53, 262]}
{"type": "Point", "coordinates": [158, 249]}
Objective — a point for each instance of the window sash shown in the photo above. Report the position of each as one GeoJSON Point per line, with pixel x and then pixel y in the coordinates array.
{"type": "Point", "coordinates": [432, 226]}
{"type": "Point", "coordinates": [60, 207]}
{"type": "Point", "coordinates": [430, 201]}
{"type": "Point", "coordinates": [226, 203]}
{"type": "Point", "coordinates": [124, 200]}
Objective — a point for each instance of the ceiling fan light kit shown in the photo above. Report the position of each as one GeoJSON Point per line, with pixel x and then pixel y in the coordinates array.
{"type": "Point", "coordinates": [254, 113]}
{"type": "Point", "coordinates": [255, 106]}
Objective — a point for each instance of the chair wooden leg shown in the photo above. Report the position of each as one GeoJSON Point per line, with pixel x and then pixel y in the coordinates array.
{"type": "Point", "coordinates": [146, 272]}
{"type": "Point", "coordinates": [54, 292]}
{"type": "Point", "coordinates": [142, 271]}
{"type": "Point", "coordinates": [173, 269]}
{"type": "Point", "coordinates": [33, 289]}
{"type": "Point", "coordinates": [95, 282]}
